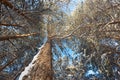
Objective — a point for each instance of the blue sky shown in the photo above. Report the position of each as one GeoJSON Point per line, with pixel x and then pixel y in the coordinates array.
{"type": "Point", "coordinates": [71, 6]}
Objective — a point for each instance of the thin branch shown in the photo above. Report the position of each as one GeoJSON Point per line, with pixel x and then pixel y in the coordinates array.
{"type": "Point", "coordinates": [43, 11]}
{"type": "Point", "coordinates": [114, 6]}
{"type": "Point", "coordinates": [110, 36]}
{"type": "Point", "coordinates": [113, 50]}
{"type": "Point", "coordinates": [108, 23]}
{"type": "Point", "coordinates": [70, 34]}
{"type": "Point", "coordinates": [109, 30]}
{"type": "Point", "coordinates": [9, 63]}
{"type": "Point", "coordinates": [2, 38]}
{"type": "Point", "coordinates": [15, 25]}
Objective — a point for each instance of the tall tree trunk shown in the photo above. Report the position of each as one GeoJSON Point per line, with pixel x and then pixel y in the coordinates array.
{"type": "Point", "coordinates": [42, 69]}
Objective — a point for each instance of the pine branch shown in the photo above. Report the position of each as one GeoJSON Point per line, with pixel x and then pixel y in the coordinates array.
{"type": "Point", "coordinates": [8, 4]}
{"type": "Point", "coordinates": [2, 38]}
{"type": "Point", "coordinates": [15, 25]}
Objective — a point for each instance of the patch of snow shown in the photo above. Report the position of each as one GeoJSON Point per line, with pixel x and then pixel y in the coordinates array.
{"type": "Point", "coordinates": [70, 75]}
{"type": "Point", "coordinates": [119, 72]}
{"type": "Point", "coordinates": [91, 72]}
{"type": "Point", "coordinates": [103, 55]}
{"type": "Point", "coordinates": [71, 67]}
{"type": "Point", "coordinates": [29, 67]}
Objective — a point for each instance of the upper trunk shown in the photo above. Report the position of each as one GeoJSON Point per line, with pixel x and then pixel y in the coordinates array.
{"type": "Point", "coordinates": [42, 69]}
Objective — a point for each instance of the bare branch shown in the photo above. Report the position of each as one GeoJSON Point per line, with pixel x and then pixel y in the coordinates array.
{"type": "Point", "coordinates": [108, 23]}
{"type": "Point", "coordinates": [9, 63]}
{"type": "Point", "coordinates": [15, 25]}
{"type": "Point", "coordinates": [109, 30]}
{"type": "Point", "coordinates": [2, 38]}
{"type": "Point", "coordinates": [70, 34]}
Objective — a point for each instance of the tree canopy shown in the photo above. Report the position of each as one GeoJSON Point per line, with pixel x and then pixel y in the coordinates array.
{"type": "Point", "coordinates": [84, 42]}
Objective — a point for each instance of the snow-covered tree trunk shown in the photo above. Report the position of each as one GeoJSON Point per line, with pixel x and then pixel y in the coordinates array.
{"type": "Point", "coordinates": [41, 66]}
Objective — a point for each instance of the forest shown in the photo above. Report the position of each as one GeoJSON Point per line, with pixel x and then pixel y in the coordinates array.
{"type": "Point", "coordinates": [59, 39]}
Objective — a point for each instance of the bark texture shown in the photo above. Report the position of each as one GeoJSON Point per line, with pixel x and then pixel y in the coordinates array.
{"type": "Point", "coordinates": [42, 70]}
